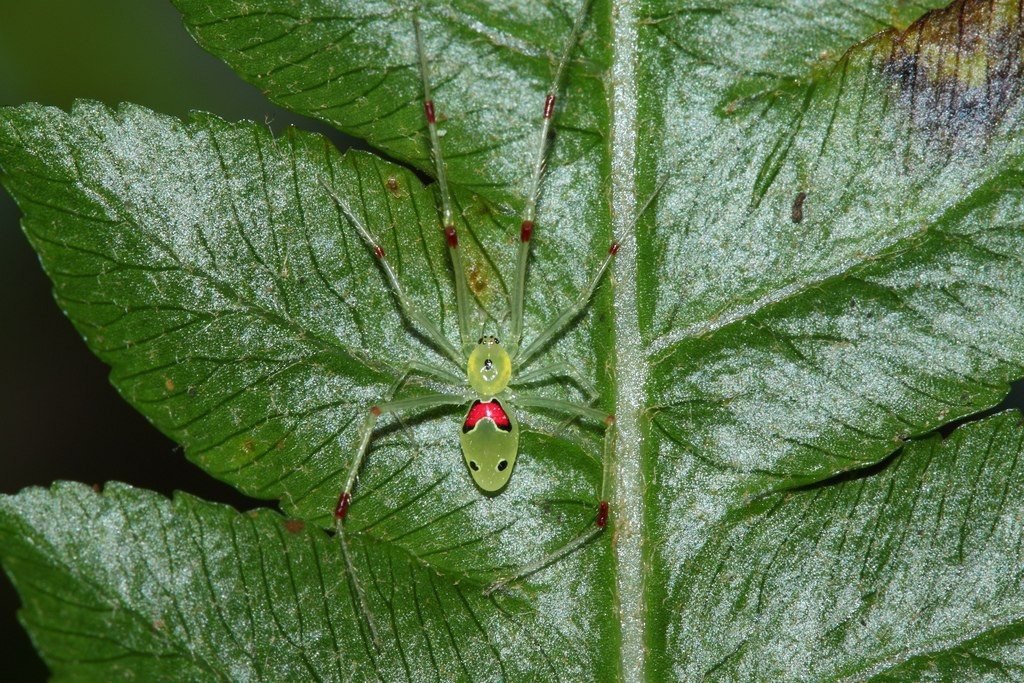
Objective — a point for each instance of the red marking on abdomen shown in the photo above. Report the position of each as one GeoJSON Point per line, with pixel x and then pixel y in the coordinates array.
{"type": "Point", "coordinates": [451, 236]}
{"type": "Point", "coordinates": [428, 109]}
{"type": "Point", "coordinates": [549, 106]}
{"type": "Point", "coordinates": [526, 231]}
{"type": "Point", "coordinates": [602, 515]}
{"type": "Point", "coordinates": [378, 252]}
{"type": "Point", "coordinates": [614, 249]}
{"type": "Point", "coordinates": [487, 410]}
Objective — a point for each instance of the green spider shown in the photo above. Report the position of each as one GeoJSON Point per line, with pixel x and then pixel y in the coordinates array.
{"type": "Point", "coordinates": [490, 431]}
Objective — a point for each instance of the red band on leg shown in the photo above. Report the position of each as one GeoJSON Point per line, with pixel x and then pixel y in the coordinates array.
{"type": "Point", "coordinates": [451, 236]}
{"type": "Point", "coordinates": [341, 509]}
{"type": "Point", "coordinates": [549, 106]}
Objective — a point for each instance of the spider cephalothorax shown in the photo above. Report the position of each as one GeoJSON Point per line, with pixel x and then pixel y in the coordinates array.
{"type": "Point", "coordinates": [489, 368]}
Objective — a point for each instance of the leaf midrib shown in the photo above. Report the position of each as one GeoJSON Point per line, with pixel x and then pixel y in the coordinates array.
{"type": "Point", "coordinates": [631, 369]}
{"type": "Point", "coordinates": [634, 360]}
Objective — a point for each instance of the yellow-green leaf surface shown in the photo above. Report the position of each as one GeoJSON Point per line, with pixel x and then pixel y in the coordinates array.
{"type": "Point", "coordinates": [829, 272]}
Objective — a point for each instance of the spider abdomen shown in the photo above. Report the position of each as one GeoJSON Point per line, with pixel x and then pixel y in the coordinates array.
{"type": "Point", "coordinates": [490, 441]}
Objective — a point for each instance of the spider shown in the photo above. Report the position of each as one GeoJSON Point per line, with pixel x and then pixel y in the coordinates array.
{"type": "Point", "coordinates": [489, 434]}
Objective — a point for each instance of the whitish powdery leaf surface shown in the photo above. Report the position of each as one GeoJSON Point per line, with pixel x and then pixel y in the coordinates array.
{"type": "Point", "coordinates": [829, 272]}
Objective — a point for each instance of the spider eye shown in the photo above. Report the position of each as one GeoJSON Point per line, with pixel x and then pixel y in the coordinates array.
{"type": "Point", "coordinates": [502, 465]}
{"type": "Point", "coordinates": [488, 364]}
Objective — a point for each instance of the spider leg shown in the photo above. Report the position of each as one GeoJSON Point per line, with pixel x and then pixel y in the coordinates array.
{"type": "Point", "coordinates": [603, 510]}
{"type": "Point", "coordinates": [430, 371]}
{"type": "Point", "coordinates": [413, 314]}
{"type": "Point", "coordinates": [366, 432]}
{"type": "Point", "coordinates": [557, 370]}
{"type": "Point", "coordinates": [522, 357]}
{"type": "Point", "coordinates": [568, 315]}
{"type": "Point", "coordinates": [388, 406]}
{"type": "Point", "coordinates": [529, 214]}
{"type": "Point", "coordinates": [447, 214]}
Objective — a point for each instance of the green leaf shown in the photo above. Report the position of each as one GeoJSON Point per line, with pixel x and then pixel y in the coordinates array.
{"type": "Point", "coordinates": [244, 316]}
{"type": "Point", "coordinates": [830, 268]}
{"type": "Point", "coordinates": [126, 585]}
{"type": "Point", "coordinates": [354, 65]}
{"type": "Point", "coordinates": [909, 573]}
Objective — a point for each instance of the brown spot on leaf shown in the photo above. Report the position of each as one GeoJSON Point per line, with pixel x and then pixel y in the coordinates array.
{"type": "Point", "coordinates": [797, 213]}
{"type": "Point", "coordinates": [169, 384]}
{"type": "Point", "coordinates": [249, 445]}
{"type": "Point", "coordinates": [393, 187]}
{"type": "Point", "coordinates": [294, 526]}
{"type": "Point", "coordinates": [482, 207]}
{"type": "Point", "coordinates": [958, 69]}
{"type": "Point", "coordinates": [478, 280]}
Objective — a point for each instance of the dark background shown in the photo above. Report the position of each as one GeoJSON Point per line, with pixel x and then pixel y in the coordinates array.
{"type": "Point", "coordinates": [59, 417]}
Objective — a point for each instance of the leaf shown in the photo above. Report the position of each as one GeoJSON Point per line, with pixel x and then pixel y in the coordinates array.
{"type": "Point", "coordinates": [201, 592]}
{"type": "Point", "coordinates": [354, 64]}
{"type": "Point", "coordinates": [910, 573]}
{"type": "Point", "coordinates": [892, 308]}
{"type": "Point", "coordinates": [850, 580]}
{"type": "Point", "coordinates": [830, 268]}
{"type": "Point", "coordinates": [240, 312]}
